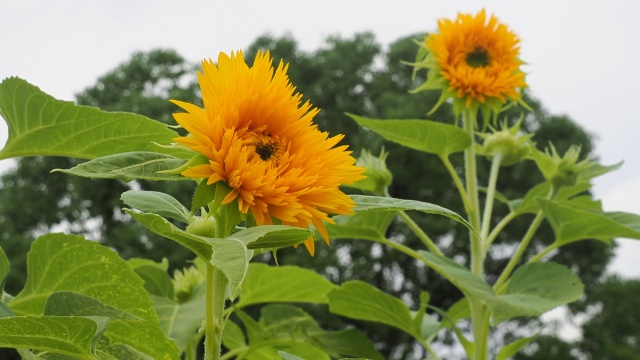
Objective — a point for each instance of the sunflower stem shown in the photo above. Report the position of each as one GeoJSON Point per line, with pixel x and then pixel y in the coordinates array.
{"type": "Point", "coordinates": [478, 309]}
{"type": "Point", "coordinates": [216, 287]}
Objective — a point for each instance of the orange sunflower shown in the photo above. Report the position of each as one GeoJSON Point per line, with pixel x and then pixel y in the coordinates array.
{"type": "Point", "coordinates": [474, 60]}
{"type": "Point", "coordinates": [260, 140]}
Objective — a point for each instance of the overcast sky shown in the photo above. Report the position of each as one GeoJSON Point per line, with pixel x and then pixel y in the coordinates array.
{"type": "Point", "coordinates": [583, 55]}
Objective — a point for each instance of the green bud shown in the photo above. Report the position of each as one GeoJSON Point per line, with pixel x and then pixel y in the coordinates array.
{"type": "Point", "coordinates": [508, 143]}
{"type": "Point", "coordinates": [561, 171]}
{"type": "Point", "coordinates": [378, 176]}
{"type": "Point", "coordinates": [203, 226]}
{"type": "Point", "coordinates": [185, 281]}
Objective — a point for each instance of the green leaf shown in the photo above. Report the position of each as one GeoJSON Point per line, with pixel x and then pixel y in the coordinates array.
{"type": "Point", "coordinates": [361, 301]}
{"type": "Point", "coordinates": [572, 222]}
{"type": "Point", "coordinates": [41, 125]}
{"type": "Point", "coordinates": [232, 258]}
{"type": "Point", "coordinates": [287, 356]}
{"type": "Point", "coordinates": [232, 336]}
{"type": "Point", "coordinates": [203, 195]}
{"type": "Point", "coordinates": [181, 321]}
{"type": "Point", "coordinates": [59, 262]}
{"type": "Point", "coordinates": [160, 226]}
{"type": "Point", "coordinates": [267, 284]}
{"type": "Point", "coordinates": [156, 279]}
{"type": "Point", "coordinates": [529, 204]}
{"type": "Point", "coordinates": [271, 236]}
{"type": "Point", "coordinates": [5, 267]}
{"type": "Point", "coordinates": [596, 169]}
{"type": "Point", "coordinates": [368, 225]}
{"type": "Point", "coordinates": [74, 336]}
{"type": "Point", "coordinates": [348, 342]}
{"type": "Point", "coordinates": [379, 203]}
{"type": "Point", "coordinates": [129, 166]}
{"type": "Point", "coordinates": [422, 135]}
{"type": "Point", "coordinates": [158, 203]}
{"type": "Point", "coordinates": [534, 289]}
{"type": "Point", "coordinates": [512, 348]}
{"type": "Point", "coordinates": [67, 303]}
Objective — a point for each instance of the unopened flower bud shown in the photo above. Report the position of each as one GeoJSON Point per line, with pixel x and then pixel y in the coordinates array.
{"type": "Point", "coordinates": [509, 143]}
{"type": "Point", "coordinates": [561, 171]}
{"type": "Point", "coordinates": [378, 176]}
{"type": "Point", "coordinates": [185, 281]}
{"type": "Point", "coordinates": [203, 226]}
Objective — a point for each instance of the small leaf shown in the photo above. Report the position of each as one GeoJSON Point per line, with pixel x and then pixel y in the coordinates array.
{"type": "Point", "coordinates": [155, 276]}
{"type": "Point", "coordinates": [158, 203]}
{"type": "Point", "coordinates": [511, 349]}
{"type": "Point", "coordinates": [422, 135]}
{"type": "Point", "coordinates": [203, 195]}
{"type": "Point", "coordinates": [129, 166]}
{"type": "Point", "coordinates": [572, 223]}
{"type": "Point", "coordinates": [232, 258]}
{"type": "Point", "coordinates": [361, 301]}
{"type": "Point", "coordinates": [181, 321]}
{"type": "Point", "coordinates": [268, 284]}
{"type": "Point", "coordinates": [529, 204]}
{"type": "Point", "coordinates": [379, 203]}
{"type": "Point", "coordinates": [41, 125]}
{"type": "Point", "coordinates": [534, 289]}
{"type": "Point", "coordinates": [74, 336]}
{"type": "Point", "coordinates": [160, 226]}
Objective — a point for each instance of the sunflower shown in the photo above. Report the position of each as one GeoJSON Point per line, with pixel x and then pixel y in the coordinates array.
{"type": "Point", "coordinates": [260, 140]}
{"type": "Point", "coordinates": [475, 60]}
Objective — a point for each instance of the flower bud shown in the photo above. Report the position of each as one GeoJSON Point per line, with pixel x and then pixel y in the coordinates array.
{"type": "Point", "coordinates": [378, 176]}
{"type": "Point", "coordinates": [512, 146]}
{"type": "Point", "coordinates": [185, 281]}
{"type": "Point", "coordinates": [560, 171]}
{"type": "Point", "coordinates": [203, 226]}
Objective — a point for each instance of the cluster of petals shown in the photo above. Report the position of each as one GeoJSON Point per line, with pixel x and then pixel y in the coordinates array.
{"type": "Point", "coordinates": [260, 140]}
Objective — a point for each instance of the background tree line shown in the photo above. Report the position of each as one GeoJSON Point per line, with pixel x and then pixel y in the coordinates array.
{"type": "Point", "coordinates": [356, 75]}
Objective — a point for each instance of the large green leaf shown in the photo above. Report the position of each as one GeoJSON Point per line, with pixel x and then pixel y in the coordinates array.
{"type": "Point", "coordinates": [362, 301]}
{"type": "Point", "coordinates": [158, 203]}
{"type": "Point", "coordinates": [534, 289]}
{"type": "Point", "coordinates": [74, 336]}
{"type": "Point", "coordinates": [380, 203]}
{"type": "Point", "coordinates": [572, 222]}
{"type": "Point", "coordinates": [181, 321]}
{"type": "Point", "coordinates": [41, 125]}
{"type": "Point", "coordinates": [161, 226]}
{"type": "Point", "coordinates": [422, 135]}
{"type": "Point", "coordinates": [267, 284]}
{"type": "Point", "coordinates": [129, 166]}
{"type": "Point", "coordinates": [68, 263]}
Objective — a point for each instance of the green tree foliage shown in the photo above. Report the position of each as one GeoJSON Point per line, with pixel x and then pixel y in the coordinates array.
{"type": "Point", "coordinates": [356, 75]}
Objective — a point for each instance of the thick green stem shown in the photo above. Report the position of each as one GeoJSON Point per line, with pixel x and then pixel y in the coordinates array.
{"type": "Point", "coordinates": [430, 350]}
{"type": "Point", "coordinates": [491, 192]}
{"type": "Point", "coordinates": [216, 287]}
{"type": "Point", "coordinates": [478, 309]}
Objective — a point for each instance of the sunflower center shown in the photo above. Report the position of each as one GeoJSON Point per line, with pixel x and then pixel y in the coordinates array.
{"type": "Point", "coordinates": [266, 150]}
{"type": "Point", "coordinates": [478, 58]}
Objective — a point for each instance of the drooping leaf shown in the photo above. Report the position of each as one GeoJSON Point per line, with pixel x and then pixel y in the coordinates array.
{"type": "Point", "coordinates": [379, 203]}
{"type": "Point", "coordinates": [362, 301]}
{"type": "Point", "coordinates": [422, 135]}
{"type": "Point", "coordinates": [160, 226]}
{"type": "Point", "coordinates": [74, 336]}
{"type": "Point", "coordinates": [268, 284]}
{"type": "Point", "coordinates": [512, 348]}
{"type": "Point", "coordinates": [158, 203]}
{"type": "Point", "coordinates": [572, 223]}
{"type": "Point", "coordinates": [181, 321]}
{"type": "Point", "coordinates": [41, 125]}
{"type": "Point", "coordinates": [232, 257]}
{"type": "Point", "coordinates": [534, 289]}
{"type": "Point", "coordinates": [129, 166]}
{"type": "Point", "coordinates": [155, 276]}
{"type": "Point", "coordinates": [59, 262]}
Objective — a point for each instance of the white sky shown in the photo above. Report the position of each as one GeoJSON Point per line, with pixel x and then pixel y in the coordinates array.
{"type": "Point", "coordinates": [582, 55]}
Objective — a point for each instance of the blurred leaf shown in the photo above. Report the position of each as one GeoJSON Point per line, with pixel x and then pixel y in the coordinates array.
{"type": "Point", "coordinates": [571, 222]}
{"type": "Point", "coordinates": [156, 279]}
{"type": "Point", "coordinates": [422, 135]}
{"type": "Point", "coordinates": [362, 301]}
{"type": "Point", "coordinates": [67, 303]}
{"type": "Point", "coordinates": [129, 166]}
{"type": "Point", "coordinates": [157, 203]}
{"type": "Point", "coordinates": [41, 125]}
{"type": "Point", "coordinates": [287, 356]}
{"type": "Point", "coordinates": [232, 336]}
{"type": "Point", "coordinates": [181, 321]}
{"type": "Point", "coordinates": [511, 349]}
{"type": "Point", "coordinates": [534, 289]}
{"type": "Point", "coordinates": [74, 336]}
{"type": "Point", "coordinates": [266, 284]}
{"type": "Point", "coordinates": [369, 225]}
{"type": "Point", "coordinates": [5, 267]}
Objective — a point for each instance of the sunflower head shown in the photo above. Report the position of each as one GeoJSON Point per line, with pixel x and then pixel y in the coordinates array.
{"type": "Point", "coordinates": [259, 139]}
{"type": "Point", "coordinates": [473, 60]}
